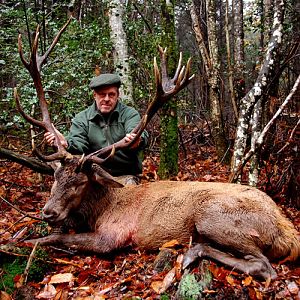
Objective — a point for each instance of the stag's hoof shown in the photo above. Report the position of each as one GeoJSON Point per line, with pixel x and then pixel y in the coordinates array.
{"type": "Point", "coordinates": [191, 255]}
{"type": "Point", "coordinates": [260, 267]}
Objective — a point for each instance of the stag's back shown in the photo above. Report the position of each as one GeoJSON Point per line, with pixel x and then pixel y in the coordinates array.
{"type": "Point", "coordinates": [231, 215]}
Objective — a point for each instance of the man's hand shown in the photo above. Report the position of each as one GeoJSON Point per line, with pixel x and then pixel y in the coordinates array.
{"type": "Point", "coordinates": [129, 137]}
{"type": "Point", "coordinates": [50, 138]}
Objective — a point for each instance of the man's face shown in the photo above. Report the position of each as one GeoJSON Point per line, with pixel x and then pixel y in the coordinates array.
{"type": "Point", "coordinates": [106, 98]}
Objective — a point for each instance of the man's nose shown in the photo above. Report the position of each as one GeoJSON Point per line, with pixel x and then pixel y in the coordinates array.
{"type": "Point", "coordinates": [106, 98]}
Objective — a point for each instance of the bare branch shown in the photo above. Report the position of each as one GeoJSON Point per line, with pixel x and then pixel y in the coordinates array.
{"type": "Point", "coordinates": [259, 142]}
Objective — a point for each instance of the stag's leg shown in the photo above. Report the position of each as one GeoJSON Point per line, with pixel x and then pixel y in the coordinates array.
{"type": "Point", "coordinates": [250, 264]}
{"type": "Point", "coordinates": [86, 242]}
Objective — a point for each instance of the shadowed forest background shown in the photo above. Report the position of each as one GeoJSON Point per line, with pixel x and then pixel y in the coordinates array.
{"type": "Point", "coordinates": [237, 121]}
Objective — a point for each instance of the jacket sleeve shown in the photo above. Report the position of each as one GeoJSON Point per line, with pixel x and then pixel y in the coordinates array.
{"type": "Point", "coordinates": [77, 138]}
{"type": "Point", "coordinates": [132, 119]}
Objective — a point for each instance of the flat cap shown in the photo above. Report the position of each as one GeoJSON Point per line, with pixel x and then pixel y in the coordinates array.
{"type": "Point", "coordinates": [105, 80]}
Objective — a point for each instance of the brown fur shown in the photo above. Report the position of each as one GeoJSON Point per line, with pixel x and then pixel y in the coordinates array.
{"type": "Point", "coordinates": [221, 217]}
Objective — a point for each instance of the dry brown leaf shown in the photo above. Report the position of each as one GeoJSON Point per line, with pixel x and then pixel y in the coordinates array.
{"type": "Point", "coordinates": [156, 286]}
{"type": "Point", "coordinates": [4, 296]}
{"type": "Point", "coordinates": [247, 281]}
{"type": "Point", "coordinates": [170, 244]}
{"type": "Point", "coordinates": [230, 280]}
{"type": "Point", "coordinates": [61, 278]}
{"type": "Point", "coordinates": [2, 190]}
{"type": "Point", "coordinates": [167, 281]}
{"type": "Point", "coordinates": [293, 288]}
{"type": "Point", "coordinates": [49, 292]}
{"type": "Point", "coordinates": [178, 267]}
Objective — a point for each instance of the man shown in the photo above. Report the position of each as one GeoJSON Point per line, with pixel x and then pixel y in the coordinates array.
{"type": "Point", "coordinates": [103, 123]}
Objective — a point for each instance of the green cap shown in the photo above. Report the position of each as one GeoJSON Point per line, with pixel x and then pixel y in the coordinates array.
{"type": "Point", "coordinates": [104, 80]}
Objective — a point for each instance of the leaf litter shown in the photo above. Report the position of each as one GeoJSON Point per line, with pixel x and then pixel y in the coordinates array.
{"type": "Point", "coordinates": [127, 273]}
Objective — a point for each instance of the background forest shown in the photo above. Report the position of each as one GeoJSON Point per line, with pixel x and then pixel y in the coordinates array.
{"type": "Point", "coordinates": [239, 117]}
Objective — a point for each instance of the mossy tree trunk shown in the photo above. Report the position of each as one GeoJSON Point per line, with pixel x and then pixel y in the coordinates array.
{"type": "Point", "coordinates": [168, 166]}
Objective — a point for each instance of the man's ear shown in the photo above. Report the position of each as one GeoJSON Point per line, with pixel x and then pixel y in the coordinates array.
{"type": "Point", "coordinates": [104, 178]}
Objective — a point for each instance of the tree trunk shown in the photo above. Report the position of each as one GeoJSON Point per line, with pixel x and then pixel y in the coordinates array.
{"type": "Point", "coordinates": [260, 87]}
{"type": "Point", "coordinates": [211, 61]}
{"type": "Point", "coordinates": [239, 54]}
{"type": "Point", "coordinates": [121, 57]}
{"type": "Point", "coordinates": [168, 165]}
{"type": "Point", "coordinates": [229, 63]}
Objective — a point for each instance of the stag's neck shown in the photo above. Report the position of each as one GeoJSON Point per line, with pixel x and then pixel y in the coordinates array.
{"type": "Point", "coordinates": [95, 200]}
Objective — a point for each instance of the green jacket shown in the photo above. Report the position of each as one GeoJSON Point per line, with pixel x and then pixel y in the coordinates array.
{"type": "Point", "coordinates": [90, 131]}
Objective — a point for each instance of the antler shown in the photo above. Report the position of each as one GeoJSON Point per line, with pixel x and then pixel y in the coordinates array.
{"type": "Point", "coordinates": [34, 67]}
{"type": "Point", "coordinates": [165, 89]}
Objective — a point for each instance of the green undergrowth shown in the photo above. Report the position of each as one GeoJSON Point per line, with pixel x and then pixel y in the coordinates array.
{"type": "Point", "coordinates": [12, 267]}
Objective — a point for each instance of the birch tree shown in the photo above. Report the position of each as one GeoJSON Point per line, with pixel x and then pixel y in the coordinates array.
{"type": "Point", "coordinates": [120, 51]}
{"type": "Point", "coordinates": [260, 87]}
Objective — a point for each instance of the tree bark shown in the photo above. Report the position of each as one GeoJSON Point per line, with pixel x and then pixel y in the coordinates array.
{"type": "Point", "coordinates": [259, 141]}
{"type": "Point", "coordinates": [26, 161]}
{"type": "Point", "coordinates": [121, 57]}
{"type": "Point", "coordinates": [168, 165]}
{"type": "Point", "coordinates": [211, 60]}
{"type": "Point", "coordinates": [260, 87]}
{"type": "Point", "coordinates": [229, 63]}
{"type": "Point", "coordinates": [239, 54]}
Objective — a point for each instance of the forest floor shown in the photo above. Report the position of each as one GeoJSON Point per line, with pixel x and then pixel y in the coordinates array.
{"type": "Point", "coordinates": [127, 274]}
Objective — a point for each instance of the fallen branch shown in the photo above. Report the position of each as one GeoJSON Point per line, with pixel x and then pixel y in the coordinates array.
{"type": "Point", "coordinates": [30, 162]}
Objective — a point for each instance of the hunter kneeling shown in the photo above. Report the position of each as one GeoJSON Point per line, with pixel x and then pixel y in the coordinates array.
{"type": "Point", "coordinates": [106, 122]}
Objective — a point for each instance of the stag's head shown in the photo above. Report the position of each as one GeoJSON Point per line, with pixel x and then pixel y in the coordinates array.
{"type": "Point", "coordinates": [75, 181]}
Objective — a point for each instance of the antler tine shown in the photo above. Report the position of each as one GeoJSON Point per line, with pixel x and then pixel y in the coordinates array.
{"type": "Point", "coordinates": [54, 42]}
{"type": "Point", "coordinates": [22, 112]}
{"type": "Point", "coordinates": [20, 49]}
{"type": "Point", "coordinates": [34, 68]}
{"type": "Point", "coordinates": [157, 78]}
{"type": "Point", "coordinates": [34, 62]}
{"type": "Point", "coordinates": [163, 62]}
{"type": "Point", "coordinates": [179, 68]}
{"type": "Point", "coordinates": [165, 89]}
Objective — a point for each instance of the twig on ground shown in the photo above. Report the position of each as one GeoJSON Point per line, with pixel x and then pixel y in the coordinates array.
{"type": "Point", "coordinates": [20, 211]}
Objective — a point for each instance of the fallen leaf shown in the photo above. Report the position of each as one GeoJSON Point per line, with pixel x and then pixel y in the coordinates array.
{"type": "Point", "coordinates": [247, 281]}
{"type": "Point", "coordinates": [156, 286]}
{"type": "Point", "coordinates": [230, 280]}
{"type": "Point", "coordinates": [178, 267]}
{"type": "Point", "coordinates": [293, 288]}
{"type": "Point", "coordinates": [48, 292]}
{"type": "Point", "coordinates": [167, 281]}
{"type": "Point", "coordinates": [60, 278]}
{"type": "Point", "coordinates": [170, 244]}
{"type": "Point", "coordinates": [4, 296]}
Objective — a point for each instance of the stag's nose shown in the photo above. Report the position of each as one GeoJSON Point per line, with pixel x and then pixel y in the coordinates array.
{"type": "Point", "coordinates": [50, 215]}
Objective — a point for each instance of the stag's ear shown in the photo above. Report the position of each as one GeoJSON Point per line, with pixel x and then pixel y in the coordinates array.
{"type": "Point", "coordinates": [104, 178]}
